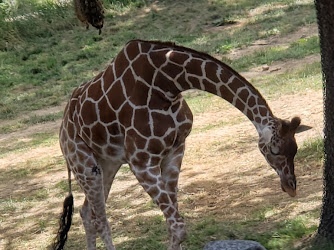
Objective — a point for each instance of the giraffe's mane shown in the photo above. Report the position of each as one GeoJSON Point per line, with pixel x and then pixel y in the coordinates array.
{"type": "Point", "coordinates": [203, 55]}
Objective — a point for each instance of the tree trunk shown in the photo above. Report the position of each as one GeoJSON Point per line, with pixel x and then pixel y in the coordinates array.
{"type": "Point", "coordinates": [325, 15]}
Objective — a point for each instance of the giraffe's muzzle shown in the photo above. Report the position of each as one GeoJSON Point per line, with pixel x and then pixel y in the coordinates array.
{"type": "Point", "coordinates": [289, 186]}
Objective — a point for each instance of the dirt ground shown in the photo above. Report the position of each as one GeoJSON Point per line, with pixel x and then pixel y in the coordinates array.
{"type": "Point", "coordinates": [223, 172]}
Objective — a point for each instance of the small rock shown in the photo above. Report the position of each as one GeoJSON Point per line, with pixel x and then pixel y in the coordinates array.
{"type": "Point", "coordinates": [275, 69]}
{"type": "Point", "coordinates": [265, 67]}
{"type": "Point", "coordinates": [233, 245]}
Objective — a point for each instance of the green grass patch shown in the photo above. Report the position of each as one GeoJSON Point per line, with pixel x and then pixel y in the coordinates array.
{"type": "Point", "coordinates": [123, 5]}
{"type": "Point", "coordinates": [200, 102]}
{"type": "Point", "coordinates": [311, 150]}
{"type": "Point", "coordinates": [201, 232]}
{"type": "Point", "coordinates": [153, 235]}
{"type": "Point", "coordinates": [19, 19]}
{"type": "Point", "coordinates": [29, 168]}
{"type": "Point", "coordinates": [35, 140]}
{"type": "Point", "coordinates": [307, 77]}
{"type": "Point", "coordinates": [32, 120]}
{"type": "Point", "coordinates": [7, 206]}
{"type": "Point", "coordinates": [40, 194]}
{"type": "Point", "coordinates": [19, 173]}
{"type": "Point", "coordinates": [218, 124]}
{"type": "Point", "coordinates": [279, 235]}
{"type": "Point", "coordinates": [11, 204]}
{"type": "Point", "coordinates": [296, 50]}
{"type": "Point", "coordinates": [208, 127]}
{"type": "Point", "coordinates": [36, 119]}
{"type": "Point", "coordinates": [63, 186]}
{"type": "Point", "coordinates": [279, 19]}
{"type": "Point", "coordinates": [11, 128]}
{"type": "Point", "coordinates": [284, 233]}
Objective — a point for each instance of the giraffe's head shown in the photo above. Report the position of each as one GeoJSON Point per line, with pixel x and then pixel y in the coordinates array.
{"type": "Point", "coordinates": [278, 145]}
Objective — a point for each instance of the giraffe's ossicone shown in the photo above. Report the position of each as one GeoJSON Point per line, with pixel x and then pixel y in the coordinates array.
{"type": "Point", "coordinates": [133, 113]}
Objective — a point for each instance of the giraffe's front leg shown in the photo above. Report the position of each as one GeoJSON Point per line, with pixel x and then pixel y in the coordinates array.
{"type": "Point", "coordinates": [170, 171]}
{"type": "Point", "coordinates": [177, 235]}
{"type": "Point", "coordinates": [150, 178]}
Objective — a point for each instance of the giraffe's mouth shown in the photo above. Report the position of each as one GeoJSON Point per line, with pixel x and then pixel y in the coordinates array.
{"type": "Point", "coordinates": [290, 191]}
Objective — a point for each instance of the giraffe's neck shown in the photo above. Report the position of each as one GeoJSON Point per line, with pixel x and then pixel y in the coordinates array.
{"type": "Point", "coordinates": [175, 69]}
{"type": "Point", "coordinates": [219, 79]}
{"type": "Point", "coordinates": [165, 70]}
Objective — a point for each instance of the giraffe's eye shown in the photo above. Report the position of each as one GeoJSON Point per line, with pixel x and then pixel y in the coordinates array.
{"type": "Point", "coordinates": [274, 150]}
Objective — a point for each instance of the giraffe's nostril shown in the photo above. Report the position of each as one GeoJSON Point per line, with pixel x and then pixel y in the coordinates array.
{"type": "Point", "coordinates": [292, 184]}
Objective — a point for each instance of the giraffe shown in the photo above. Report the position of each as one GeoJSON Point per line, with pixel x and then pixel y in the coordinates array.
{"type": "Point", "coordinates": [133, 112]}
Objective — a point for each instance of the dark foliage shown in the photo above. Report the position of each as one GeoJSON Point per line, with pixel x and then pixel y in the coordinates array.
{"type": "Point", "coordinates": [90, 12]}
{"type": "Point", "coordinates": [325, 15]}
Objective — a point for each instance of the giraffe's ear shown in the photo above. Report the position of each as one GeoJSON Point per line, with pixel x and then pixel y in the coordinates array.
{"type": "Point", "coordinates": [294, 124]}
{"type": "Point", "coordinates": [284, 127]}
{"type": "Point", "coordinates": [289, 126]}
{"type": "Point", "coordinates": [302, 128]}
{"type": "Point", "coordinates": [267, 134]}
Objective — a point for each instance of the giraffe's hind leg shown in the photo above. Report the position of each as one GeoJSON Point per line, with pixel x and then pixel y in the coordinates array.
{"type": "Point", "coordinates": [86, 216]}
{"type": "Point", "coordinates": [109, 170]}
{"type": "Point", "coordinates": [89, 175]}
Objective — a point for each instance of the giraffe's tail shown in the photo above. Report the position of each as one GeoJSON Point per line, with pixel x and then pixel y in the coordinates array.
{"type": "Point", "coordinates": [65, 219]}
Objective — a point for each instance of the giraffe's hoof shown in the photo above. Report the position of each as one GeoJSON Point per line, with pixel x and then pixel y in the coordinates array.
{"type": "Point", "coordinates": [179, 247]}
